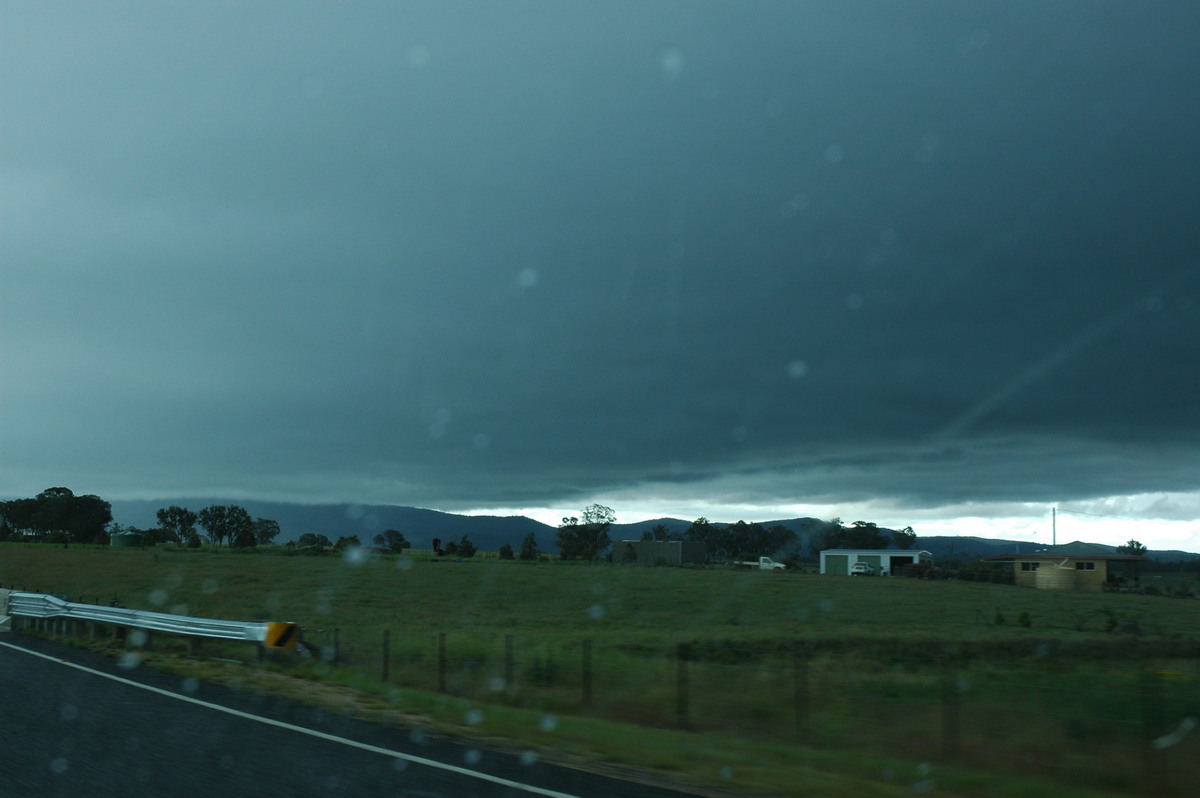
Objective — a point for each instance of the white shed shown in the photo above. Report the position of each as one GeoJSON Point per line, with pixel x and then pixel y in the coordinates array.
{"type": "Point", "coordinates": [838, 562]}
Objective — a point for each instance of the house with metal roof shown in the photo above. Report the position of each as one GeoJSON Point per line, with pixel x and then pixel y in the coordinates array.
{"type": "Point", "coordinates": [1071, 566]}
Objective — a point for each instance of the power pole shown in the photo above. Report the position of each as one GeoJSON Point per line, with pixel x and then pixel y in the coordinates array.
{"type": "Point", "coordinates": [1053, 526]}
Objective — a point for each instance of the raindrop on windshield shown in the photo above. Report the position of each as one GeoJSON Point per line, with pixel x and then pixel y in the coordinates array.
{"type": "Point", "coordinates": [670, 61]}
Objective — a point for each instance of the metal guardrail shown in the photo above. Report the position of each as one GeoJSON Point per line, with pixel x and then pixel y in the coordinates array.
{"type": "Point", "coordinates": [43, 605]}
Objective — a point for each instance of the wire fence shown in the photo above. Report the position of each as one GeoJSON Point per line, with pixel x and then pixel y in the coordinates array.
{"type": "Point", "coordinates": [1125, 722]}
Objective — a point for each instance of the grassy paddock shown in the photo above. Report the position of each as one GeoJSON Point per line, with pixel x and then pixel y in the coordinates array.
{"type": "Point", "coordinates": [790, 677]}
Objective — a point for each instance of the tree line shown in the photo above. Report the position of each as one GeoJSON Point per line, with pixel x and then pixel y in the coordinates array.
{"type": "Point", "coordinates": [56, 515]}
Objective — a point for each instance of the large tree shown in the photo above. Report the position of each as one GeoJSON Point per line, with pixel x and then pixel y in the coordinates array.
{"type": "Point", "coordinates": [392, 541]}
{"type": "Point", "coordinates": [529, 548]}
{"type": "Point", "coordinates": [227, 523]}
{"type": "Point", "coordinates": [178, 522]}
{"type": "Point", "coordinates": [904, 538]}
{"type": "Point", "coordinates": [265, 531]}
{"type": "Point", "coordinates": [586, 539]}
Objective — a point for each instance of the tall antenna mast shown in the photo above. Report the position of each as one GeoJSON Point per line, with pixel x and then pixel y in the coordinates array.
{"type": "Point", "coordinates": [1053, 526]}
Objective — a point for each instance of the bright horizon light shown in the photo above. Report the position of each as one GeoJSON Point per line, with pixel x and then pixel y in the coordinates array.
{"type": "Point", "coordinates": [1042, 525]}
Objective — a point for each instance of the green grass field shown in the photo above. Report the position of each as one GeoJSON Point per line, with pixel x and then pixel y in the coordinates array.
{"type": "Point", "coordinates": [793, 684]}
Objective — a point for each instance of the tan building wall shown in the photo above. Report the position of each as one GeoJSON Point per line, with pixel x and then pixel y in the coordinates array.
{"type": "Point", "coordinates": [1074, 574]}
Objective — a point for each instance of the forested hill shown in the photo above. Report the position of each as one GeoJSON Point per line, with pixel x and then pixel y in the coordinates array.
{"type": "Point", "coordinates": [489, 533]}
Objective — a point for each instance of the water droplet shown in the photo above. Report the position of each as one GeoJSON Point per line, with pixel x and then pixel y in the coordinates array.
{"type": "Point", "coordinates": [548, 723]}
{"type": "Point", "coordinates": [473, 756]}
{"type": "Point", "coordinates": [835, 153]}
{"type": "Point", "coordinates": [854, 301]}
{"type": "Point", "coordinates": [826, 605]}
{"type": "Point", "coordinates": [59, 765]}
{"type": "Point", "coordinates": [726, 773]}
{"type": "Point", "coordinates": [527, 278]}
{"type": "Point", "coordinates": [529, 758]}
{"type": "Point", "coordinates": [797, 369]}
{"type": "Point", "coordinates": [418, 56]}
{"type": "Point", "coordinates": [794, 205]}
{"type": "Point", "coordinates": [404, 562]}
{"type": "Point", "coordinates": [399, 764]}
{"type": "Point", "coordinates": [69, 712]}
{"type": "Point", "coordinates": [670, 61]}
{"type": "Point", "coordinates": [354, 555]}
{"type": "Point", "coordinates": [138, 638]}
{"type": "Point", "coordinates": [210, 586]}
{"type": "Point", "coordinates": [496, 684]}
{"type": "Point", "coordinates": [417, 736]}
{"type": "Point", "coordinates": [312, 87]}
{"type": "Point", "coordinates": [474, 717]}
{"type": "Point", "coordinates": [179, 609]}
{"type": "Point", "coordinates": [596, 612]}
{"type": "Point", "coordinates": [190, 685]}
{"type": "Point", "coordinates": [129, 660]}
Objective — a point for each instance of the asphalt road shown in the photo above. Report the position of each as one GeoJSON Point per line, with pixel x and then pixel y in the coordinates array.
{"type": "Point", "coordinates": [75, 723]}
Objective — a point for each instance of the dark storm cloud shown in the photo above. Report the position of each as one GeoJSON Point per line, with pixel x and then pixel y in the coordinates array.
{"type": "Point", "coordinates": [468, 255]}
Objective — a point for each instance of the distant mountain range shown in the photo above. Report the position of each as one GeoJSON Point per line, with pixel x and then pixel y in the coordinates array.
{"type": "Point", "coordinates": [489, 533]}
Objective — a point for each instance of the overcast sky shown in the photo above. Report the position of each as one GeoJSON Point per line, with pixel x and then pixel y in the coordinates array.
{"type": "Point", "coordinates": [913, 261]}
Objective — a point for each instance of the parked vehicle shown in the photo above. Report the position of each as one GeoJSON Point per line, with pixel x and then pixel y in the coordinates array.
{"type": "Point", "coordinates": [762, 564]}
{"type": "Point", "coordinates": [862, 569]}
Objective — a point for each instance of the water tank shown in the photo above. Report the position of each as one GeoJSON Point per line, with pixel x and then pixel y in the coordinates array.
{"type": "Point", "coordinates": [125, 540]}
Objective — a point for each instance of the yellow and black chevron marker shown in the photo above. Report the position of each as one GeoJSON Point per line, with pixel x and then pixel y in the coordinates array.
{"type": "Point", "coordinates": [282, 635]}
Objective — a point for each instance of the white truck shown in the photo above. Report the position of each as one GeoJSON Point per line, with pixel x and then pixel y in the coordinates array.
{"type": "Point", "coordinates": [761, 564]}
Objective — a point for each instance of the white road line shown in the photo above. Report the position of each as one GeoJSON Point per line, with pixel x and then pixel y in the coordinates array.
{"type": "Point", "coordinates": [310, 732]}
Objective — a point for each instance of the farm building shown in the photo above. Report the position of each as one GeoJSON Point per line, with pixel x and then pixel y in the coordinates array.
{"type": "Point", "coordinates": [838, 562]}
{"type": "Point", "coordinates": [1071, 566]}
{"type": "Point", "coordinates": [659, 552]}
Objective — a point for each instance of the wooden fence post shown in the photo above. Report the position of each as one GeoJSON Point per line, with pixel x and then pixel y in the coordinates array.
{"type": "Point", "coordinates": [1153, 761]}
{"type": "Point", "coordinates": [800, 686]}
{"type": "Point", "coordinates": [442, 662]}
{"type": "Point", "coordinates": [509, 682]}
{"type": "Point", "coordinates": [587, 674]}
{"type": "Point", "coordinates": [951, 709]}
{"type": "Point", "coordinates": [682, 653]}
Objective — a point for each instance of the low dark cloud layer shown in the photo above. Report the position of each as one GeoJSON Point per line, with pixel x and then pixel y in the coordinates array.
{"type": "Point", "coordinates": [489, 254]}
